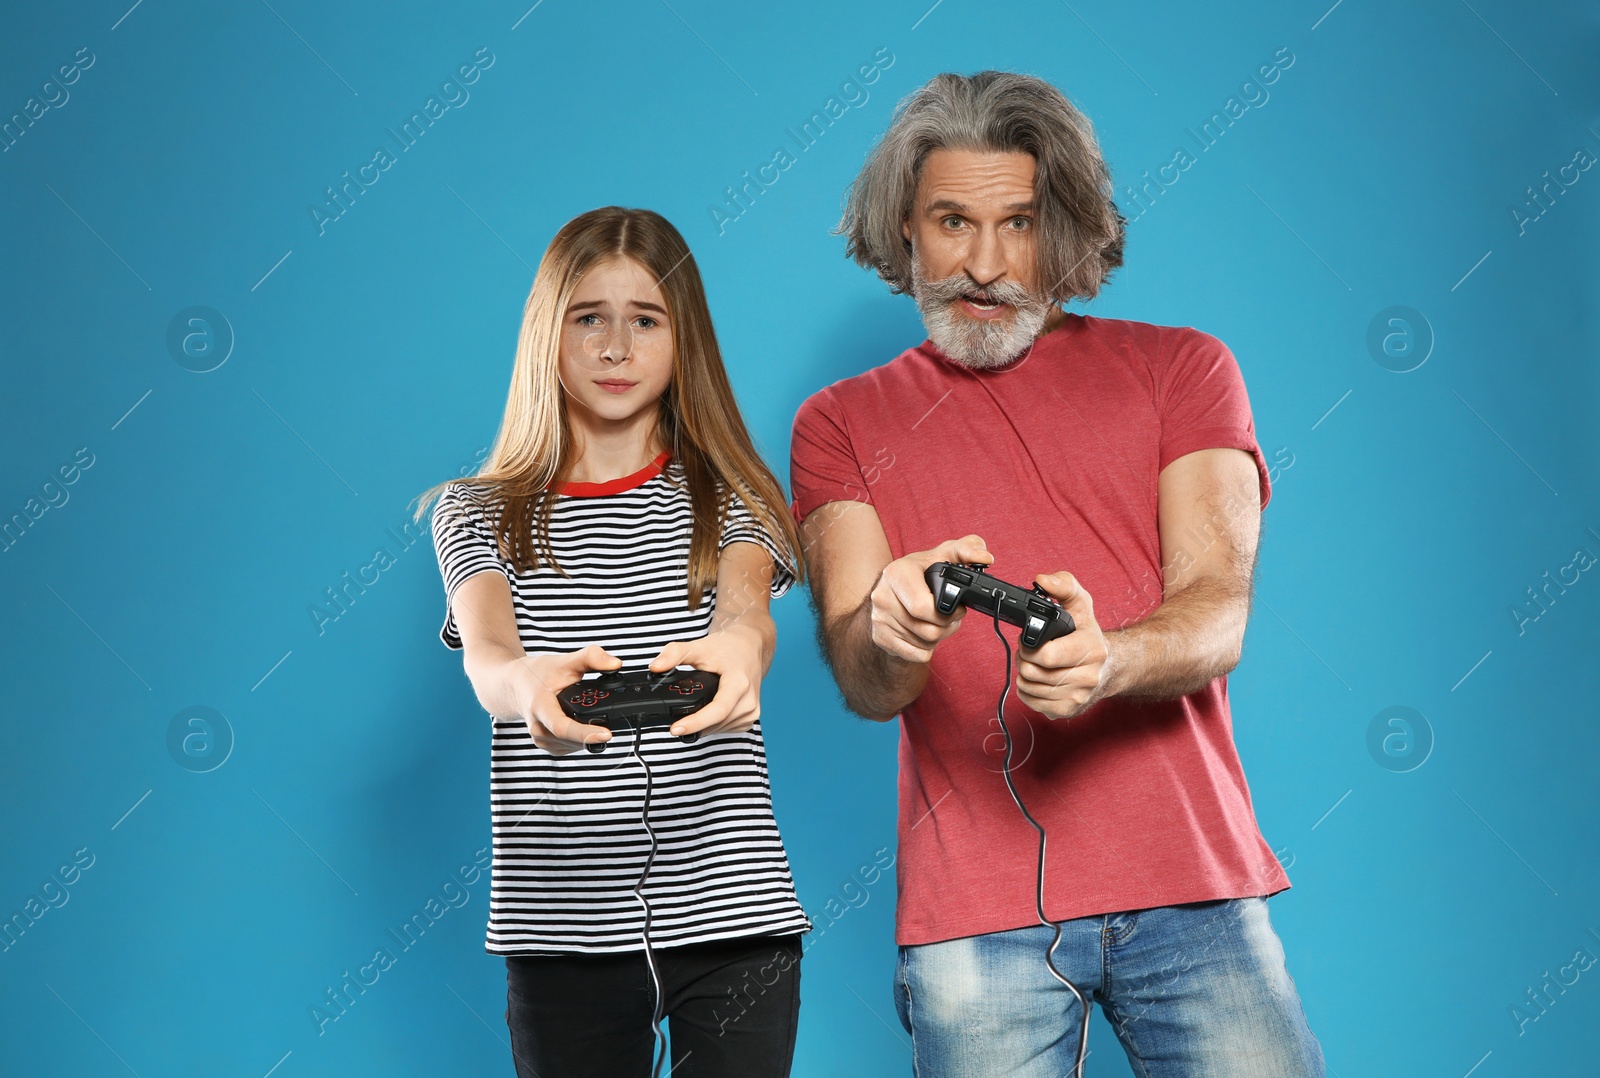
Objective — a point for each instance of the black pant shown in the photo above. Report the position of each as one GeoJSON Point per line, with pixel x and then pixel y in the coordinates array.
{"type": "Point", "coordinates": [732, 1007]}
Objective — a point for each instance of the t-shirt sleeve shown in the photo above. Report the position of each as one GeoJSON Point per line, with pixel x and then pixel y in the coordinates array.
{"type": "Point", "coordinates": [1201, 399]}
{"type": "Point", "coordinates": [741, 526]}
{"type": "Point", "coordinates": [464, 542]}
{"type": "Point", "coordinates": [822, 459]}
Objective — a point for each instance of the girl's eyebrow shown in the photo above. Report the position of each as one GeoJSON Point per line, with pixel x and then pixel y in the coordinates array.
{"type": "Point", "coordinates": [643, 305]}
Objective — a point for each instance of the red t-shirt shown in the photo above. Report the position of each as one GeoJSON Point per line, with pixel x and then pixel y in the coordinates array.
{"type": "Point", "coordinates": [1053, 461]}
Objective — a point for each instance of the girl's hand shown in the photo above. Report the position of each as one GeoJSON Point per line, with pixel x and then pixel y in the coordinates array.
{"type": "Point", "coordinates": [734, 654]}
{"type": "Point", "coordinates": [541, 677]}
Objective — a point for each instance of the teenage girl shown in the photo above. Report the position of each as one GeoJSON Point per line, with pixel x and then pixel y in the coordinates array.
{"type": "Point", "coordinates": [624, 519]}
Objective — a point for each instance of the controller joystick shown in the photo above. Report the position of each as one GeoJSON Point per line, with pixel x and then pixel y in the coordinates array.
{"type": "Point", "coordinates": [1039, 616]}
{"type": "Point", "coordinates": [618, 699]}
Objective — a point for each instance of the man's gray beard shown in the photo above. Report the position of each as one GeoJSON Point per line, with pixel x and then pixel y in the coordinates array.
{"type": "Point", "coordinates": [974, 342]}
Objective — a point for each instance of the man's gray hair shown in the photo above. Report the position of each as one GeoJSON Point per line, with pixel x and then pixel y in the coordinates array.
{"type": "Point", "coordinates": [1080, 232]}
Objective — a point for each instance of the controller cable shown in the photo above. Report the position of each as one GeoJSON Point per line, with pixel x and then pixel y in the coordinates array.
{"type": "Point", "coordinates": [659, 1052]}
{"type": "Point", "coordinates": [1038, 900]}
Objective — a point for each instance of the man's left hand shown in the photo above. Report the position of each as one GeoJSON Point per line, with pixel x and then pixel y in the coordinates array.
{"type": "Point", "coordinates": [1066, 676]}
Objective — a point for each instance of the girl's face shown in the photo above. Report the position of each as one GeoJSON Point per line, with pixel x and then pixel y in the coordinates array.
{"type": "Point", "coordinates": [616, 344]}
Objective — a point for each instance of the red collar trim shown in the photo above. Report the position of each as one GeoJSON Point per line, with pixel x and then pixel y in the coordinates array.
{"type": "Point", "coordinates": [617, 486]}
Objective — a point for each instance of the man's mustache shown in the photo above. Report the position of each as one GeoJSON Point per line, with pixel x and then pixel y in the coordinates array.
{"type": "Point", "coordinates": [959, 285]}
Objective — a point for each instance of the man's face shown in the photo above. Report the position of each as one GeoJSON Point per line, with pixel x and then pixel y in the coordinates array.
{"type": "Point", "coordinates": [973, 264]}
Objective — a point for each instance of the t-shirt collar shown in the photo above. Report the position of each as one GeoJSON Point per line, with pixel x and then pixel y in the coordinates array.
{"type": "Point", "coordinates": [617, 486]}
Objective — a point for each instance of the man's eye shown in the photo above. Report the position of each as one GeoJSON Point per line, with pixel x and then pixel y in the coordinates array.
{"type": "Point", "coordinates": [1020, 223]}
{"type": "Point", "coordinates": [952, 222]}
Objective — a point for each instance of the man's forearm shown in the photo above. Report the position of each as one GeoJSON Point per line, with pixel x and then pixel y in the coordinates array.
{"type": "Point", "coordinates": [876, 685]}
{"type": "Point", "coordinates": [1191, 638]}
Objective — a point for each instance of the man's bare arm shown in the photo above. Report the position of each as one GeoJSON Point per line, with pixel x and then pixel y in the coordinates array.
{"type": "Point", "coordinates": [1209, 516]}
{"type": "Point", "coordinates": [845, 551]}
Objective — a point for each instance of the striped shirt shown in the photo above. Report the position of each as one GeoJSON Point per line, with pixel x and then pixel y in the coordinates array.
{"type": "Point", "coordinates": [569, 837]}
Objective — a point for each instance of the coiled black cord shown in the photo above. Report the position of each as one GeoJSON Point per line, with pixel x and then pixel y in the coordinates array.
{"type": "Point", "coordinates": [660, 1051]}
{"type": "Point", "coordinates": [1038, 898]}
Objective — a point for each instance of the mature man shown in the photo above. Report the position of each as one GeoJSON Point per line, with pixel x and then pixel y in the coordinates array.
{"type": "Point", "coordinates": [1114, 463]}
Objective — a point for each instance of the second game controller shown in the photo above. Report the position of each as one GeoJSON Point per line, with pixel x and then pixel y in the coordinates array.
{"type": "Point", "coordinates": [1040, 617]}
{"type": "Point", "coordinates": [618, 699]}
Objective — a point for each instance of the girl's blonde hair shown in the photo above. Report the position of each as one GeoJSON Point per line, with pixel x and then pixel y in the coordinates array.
{"type": "Point", "coordinates": [699, 418]}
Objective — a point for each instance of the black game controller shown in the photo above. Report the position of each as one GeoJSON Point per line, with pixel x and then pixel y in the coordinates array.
{"type": "Point", "coordinates": [1041, 617]}
{"type": "Point", "coordinates": [622, 698]}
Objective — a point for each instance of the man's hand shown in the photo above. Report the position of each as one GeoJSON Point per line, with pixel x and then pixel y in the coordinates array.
{"type": "Point", "coordinates": [905, 623]}
{"type": "Point", "coordinates": [1067, 675]}
{"type": "Point", "coordinates": [539, 678]}
{"type": "Point", "coordinates": [734, 654]}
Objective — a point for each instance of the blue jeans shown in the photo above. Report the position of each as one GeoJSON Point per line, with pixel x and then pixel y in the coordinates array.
{"type": "Point", "coordinates": [1197, 991]}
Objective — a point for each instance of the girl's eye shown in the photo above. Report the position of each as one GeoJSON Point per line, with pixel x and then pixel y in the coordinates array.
{"type": "Point", "coordinates": [584, 319]}
{"type": "Point", "coordinates": [644, 321]}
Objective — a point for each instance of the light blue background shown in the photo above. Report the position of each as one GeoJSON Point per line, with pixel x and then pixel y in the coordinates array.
{"type": "Point", "coordinates": [372, 361]}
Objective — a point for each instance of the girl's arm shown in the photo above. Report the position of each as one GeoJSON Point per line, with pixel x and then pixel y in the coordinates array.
{"type": "Point", "coordinates": [509, 682]}
{"type": "Point", "coordinates": [738, 647]}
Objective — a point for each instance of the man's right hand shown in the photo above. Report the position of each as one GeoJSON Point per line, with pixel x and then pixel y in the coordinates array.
{"type": "Point", "coordinates": [541, 677]}
{"type": "Point", "coordinates": [905, 623]}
